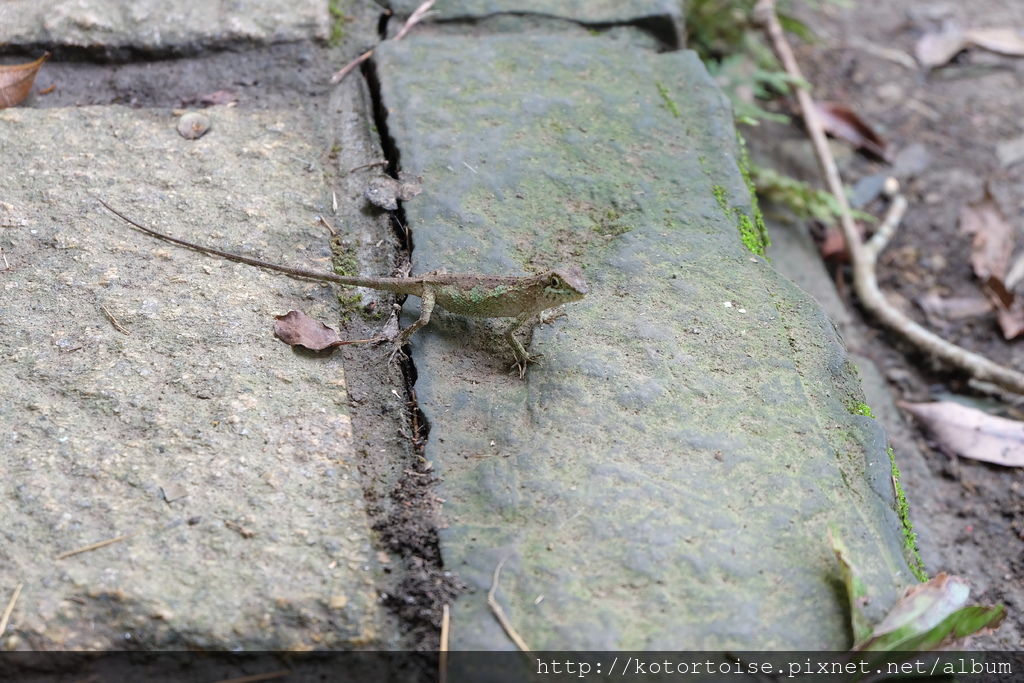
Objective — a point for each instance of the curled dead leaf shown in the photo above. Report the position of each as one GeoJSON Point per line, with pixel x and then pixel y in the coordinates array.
{"type": "Point", "coordinates": [992, 237]}
{"type": "Point", "coordinates": [1005, 41]}
{"type": "Point", "coordinates": [842, 122]}
{"type": "Point", "coordinates": [971, 433]}
{"type": "Point", "coordinates": [937, 49]}
{"type": "Point", "coordinates": [295, 328]}
{"type": "Point", "coordinates": [16, 81]}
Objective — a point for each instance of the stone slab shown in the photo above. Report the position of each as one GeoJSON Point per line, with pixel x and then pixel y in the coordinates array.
{"type": "Point", "coordinates": [225, 456]}
{"type": "Point", "coordinates": [664, 17]}
{"type": "Point", "coordinates": [667, 477]}
{"type": "Point", "coordinates": [159, 25]}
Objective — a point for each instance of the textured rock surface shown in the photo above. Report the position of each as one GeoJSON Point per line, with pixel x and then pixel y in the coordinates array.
{"type": "Point", "coordinates": [667, 477]}
{"type": "Point", "coordinates": [225, 454]}
{"type": "Point", "coordinates": [158, 25]}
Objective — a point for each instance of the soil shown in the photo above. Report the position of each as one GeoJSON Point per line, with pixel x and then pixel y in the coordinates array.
{"type": "Point", "coordinates": [943, 128]}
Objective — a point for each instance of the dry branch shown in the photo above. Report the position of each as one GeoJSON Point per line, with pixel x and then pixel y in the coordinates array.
{"type": "Point", "coordinates": [864, 257]}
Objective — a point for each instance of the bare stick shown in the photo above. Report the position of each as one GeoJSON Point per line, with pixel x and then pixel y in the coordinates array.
{"type": "Point", "coordinates": [10, 608]}
{"type": "Point", "coordinates": [413, 19]}
{"type": "Point", "coordinates": [500, 613]}
{"type": "Point", "coordinates": [347, 69]}
{"type": "Point", "coordinates": [281, 673]}
{"type": "Point", "coordinates": [93, 546]}
{"type": "Point", "coordinates": [442, 661]}
{"type": "Point", "coordinates": [863, 258]}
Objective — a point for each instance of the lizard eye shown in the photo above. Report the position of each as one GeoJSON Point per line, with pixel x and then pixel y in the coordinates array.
{"type": "Point", "coordinates": [554, 281]}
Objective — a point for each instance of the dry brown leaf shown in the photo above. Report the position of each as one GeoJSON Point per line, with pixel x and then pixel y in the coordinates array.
{"type": "Point", "coordinates": [1009, 308]}
{"type": "Point", "coordinates": [841, 122]}
{"type": "Point", "coordinates": [972, 433]}
{"type": "Point", "coordinates": [937, 49]}
{"type": "Point", "coordinates": [295, 328]}
{"type": "Point", "coordinates": [1005, 41]}
{"type": "Point", "coordinates": [16, 81]}
{"type": "Point", "coordinates": [992, 235]}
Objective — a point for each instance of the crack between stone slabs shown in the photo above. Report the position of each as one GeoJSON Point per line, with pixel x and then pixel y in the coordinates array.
{"type": "Point", "coordinates": [426, 587]}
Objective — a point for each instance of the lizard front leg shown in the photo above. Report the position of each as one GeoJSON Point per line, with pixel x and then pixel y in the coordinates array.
{"type": "Point", "coordinates": [518, 350]}
{"type": "Point", "coordinates": [426, 308]}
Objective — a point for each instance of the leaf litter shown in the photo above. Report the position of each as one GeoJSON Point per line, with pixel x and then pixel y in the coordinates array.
{"type": "Point", "coordinates": [992, 243]}
{"type": "Point", "coordinates": [972, 433]}
{"type": "Point", "coordinates": [16, 81]}
{"type": "Point", "coordinates": [295, 328]}
{"type": "Point", "coordinates": [938, 48]}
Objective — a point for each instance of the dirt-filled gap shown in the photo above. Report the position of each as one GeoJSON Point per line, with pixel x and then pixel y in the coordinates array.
{"type": "Point", "coordinates": [405, 511]}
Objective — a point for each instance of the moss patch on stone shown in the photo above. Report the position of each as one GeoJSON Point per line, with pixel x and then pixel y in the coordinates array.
{"type": "Point", "coordinates": [910, 548]}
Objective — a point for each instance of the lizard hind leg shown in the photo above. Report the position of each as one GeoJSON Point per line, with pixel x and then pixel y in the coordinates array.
{"type": "Point", "coordinates": [522, 357]}
{"type": "Point", "coordinates": [426, 308]}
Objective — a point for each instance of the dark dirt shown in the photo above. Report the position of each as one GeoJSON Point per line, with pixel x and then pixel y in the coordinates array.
{"type": "Point", "coordinates": [943, 128]}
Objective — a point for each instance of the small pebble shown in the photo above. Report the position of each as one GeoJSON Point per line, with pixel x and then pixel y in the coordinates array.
{"type": "Point", "coordinates": [193, 125]}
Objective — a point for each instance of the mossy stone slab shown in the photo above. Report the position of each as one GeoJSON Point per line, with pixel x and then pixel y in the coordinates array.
{"type": "Point", "coordinates": [667, 477]}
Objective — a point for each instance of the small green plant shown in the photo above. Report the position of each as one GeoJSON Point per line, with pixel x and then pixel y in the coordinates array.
{"type": "Point", "coordinates": [338, 21]}
{"type": "Point", "coordinates": [799, 197]}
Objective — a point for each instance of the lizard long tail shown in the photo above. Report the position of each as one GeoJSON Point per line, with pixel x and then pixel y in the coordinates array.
{"type": "Point", "coordinates": [394, 284]}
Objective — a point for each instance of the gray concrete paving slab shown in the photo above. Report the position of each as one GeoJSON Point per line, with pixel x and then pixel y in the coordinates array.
{"type": "Point", "coordinates": [667, 477]}
{"type": "Point", "coordinates": [159, 25]}
{"type": "Point", "coordinates": [219, 457]}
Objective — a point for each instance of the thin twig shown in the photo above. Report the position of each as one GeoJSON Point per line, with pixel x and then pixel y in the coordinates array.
{"type": "Point", "coordinates": [330, 228]}
{"type": "Point", "coordinates": [442, 660]}
{"type": "Point", "coordinates": [7, 265]}
{"type": "Point", "coordinates": [345, 70]}
{"type": "Point", "coordinates": [862, 258]}
{"type": "Point", "coordinates": [500, 613]}
{"type": "Point", "coordinates": [10, 608]}
{"type": "Point", "coordinates": [94, 546]}
{"type": "Point", "coordinates": [418, 14]}
{"type": "Point", "coordinates": [113, 320]}
{"type": "Point", "coordinates": [369, 165]}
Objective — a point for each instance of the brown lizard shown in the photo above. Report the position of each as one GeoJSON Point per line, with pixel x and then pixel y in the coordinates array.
{"type": "Point", "coordinates": [470, 294]}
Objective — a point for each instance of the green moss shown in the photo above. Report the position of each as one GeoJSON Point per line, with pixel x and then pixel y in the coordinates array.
{"type": "Point", "coordinates": [338, 21]}
{"type": "Point", "coordinates": [752, 232]}
{"type": "Point", "coordinates": [669, 102]}
{"type": "Point", "coordinates": [861, 408]}
{"type": "Point", "coordinates": [903, 511]}
{"type": "Point", "coordinates": [344, 262]}
{"type": "Point", "coordinates": [757, 233]}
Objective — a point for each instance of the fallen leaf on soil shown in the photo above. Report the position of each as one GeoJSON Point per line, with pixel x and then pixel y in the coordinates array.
{"type": "Point", "coordinates": [953, 308]}
{"type": "Point", "coordinates": [16, 81]}
{"type": "Point", "coordinates": [971, 433]}
{"type": "Point", "coordinates": [841, 122]}
{"type": "Point", "coordinates": [937, 49]}
{"type": "Point", "coordinates": [992, 244]}
{"type": "Point", "coordinates": [1009, 307]}
{"type": "Point", "coordinates": [931, 615]}
{"type": "Point", "coordinates": [295, 328]}
{"type": "Point", "coordinates": [992, 238]}
{"type": "Point", "coordinates": [1005, 41]}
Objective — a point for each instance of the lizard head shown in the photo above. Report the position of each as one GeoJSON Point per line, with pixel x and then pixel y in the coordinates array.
{"type": "Point", "coordinates": [565, 284]}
